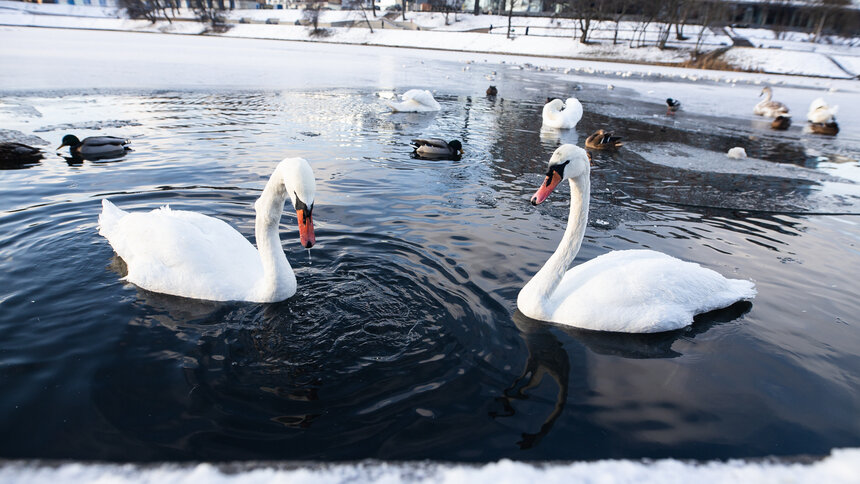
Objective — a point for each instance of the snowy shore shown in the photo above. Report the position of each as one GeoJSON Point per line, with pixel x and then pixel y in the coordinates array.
{"type": "Point", "coordinates": [840, 467]}
{"type": "Point", "coordinates": [795, 56]}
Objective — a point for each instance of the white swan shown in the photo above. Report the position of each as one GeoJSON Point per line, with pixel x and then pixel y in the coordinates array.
{"type": "Point", "coordinates": [768, 108]}
{"type": "Point", "coordinates": [415, 101]}
{"type": "Point", "coordinates": [563, 115]}
{"type": "Point", "coordinates": [822, 113]}
{"type": "Point", "coordinates": [192, 255]}
{"type": "Point", "coordinates": [630, 291]}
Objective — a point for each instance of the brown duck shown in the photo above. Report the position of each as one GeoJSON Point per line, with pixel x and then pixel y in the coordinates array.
{"type": "Point", "coordinates": [781, 123]}
{"type": "Point", "coordinates": [829, 129]}
{"type": "Point", "coordinates": [601, 140]}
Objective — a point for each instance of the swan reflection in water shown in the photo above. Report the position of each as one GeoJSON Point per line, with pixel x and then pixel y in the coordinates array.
{"type": "Point", "coordinates": [548, 357]}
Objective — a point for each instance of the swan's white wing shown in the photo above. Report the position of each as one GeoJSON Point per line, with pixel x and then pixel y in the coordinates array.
{"type": "Point", "coordinates": [641, 291]}
{"type": "Point", "coordinates": [416, 100]}
{"type": "Point", "coordinates": [183, 253]}
{"type": "Point", "coordinates": [572, 112]}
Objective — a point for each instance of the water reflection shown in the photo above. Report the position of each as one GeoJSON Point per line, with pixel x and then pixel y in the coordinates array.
{"type": "Point", "coordinates": [546, 357]}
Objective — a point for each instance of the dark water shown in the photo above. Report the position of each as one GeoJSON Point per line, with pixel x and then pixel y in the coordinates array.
{"type": "Point", "coordinates": [403, 341]}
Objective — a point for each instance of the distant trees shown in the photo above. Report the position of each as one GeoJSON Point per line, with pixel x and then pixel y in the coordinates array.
{"type": "Point", "coordinates": [211, 12]}
{"type": "Point", "coordinates": [152, 10]}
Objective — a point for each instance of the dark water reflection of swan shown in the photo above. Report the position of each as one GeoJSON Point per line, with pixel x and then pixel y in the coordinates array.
{"type": "Point", "coordinates": [548, 357]}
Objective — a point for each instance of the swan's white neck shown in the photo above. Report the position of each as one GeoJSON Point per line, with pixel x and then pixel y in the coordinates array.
{"type": "Point", "coordinates": [767, 96]}
{"type": "Point", "coordinates": [278, 277]}
{"type": "Point", "coordinates": [537, 293]}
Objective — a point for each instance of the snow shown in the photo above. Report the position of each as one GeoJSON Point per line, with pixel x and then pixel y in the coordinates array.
{"type": "Point", "coordinates": [547, 37]}
{"type": "Point", "coordinates": [842, 466]}
{"type": "Point", "coordinates": [784, 62]}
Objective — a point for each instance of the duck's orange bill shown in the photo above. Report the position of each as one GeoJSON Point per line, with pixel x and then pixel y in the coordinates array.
{"type": "Point", "coordinates": [546, 188]}
{"type": "Point", "coordinates": [306, 229]}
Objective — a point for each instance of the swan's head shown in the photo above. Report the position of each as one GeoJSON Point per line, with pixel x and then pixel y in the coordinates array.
{"type": "Point", "coordinates": [301, 187]}
{"type": "Point", "coordinates": [568, 161]}
{"type": "Point", "coordinates": [553, 106]}
{"type": "Point", "coordinates": [765, 90]}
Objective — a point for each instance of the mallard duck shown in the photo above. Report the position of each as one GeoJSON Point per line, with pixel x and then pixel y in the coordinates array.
{"type": "Point", "coordinates": [829, 129]}
{"type": "Point", "coordinates": [415, 101]}
{"type": "Point", "coordinates": [563, 115]}
{"type": "Point", "coordinates": [822, 113]}
{"type": "Point", "coordinates": [768, 108]}
{"type": "Point", "coordinates": [95, 147]}
{"type": "Point", "coordinates": [781, 123]}
{"type": "Point", "coordinates": [492, 91]}
{"type": "Point", "coordinates": [14, 155]}
{"type": "Point", "coordinates": [672, 106]}
{"type": "Point", "coordinates": [437, 148]}
{"type": "Point", "coordinates": [601, 140]}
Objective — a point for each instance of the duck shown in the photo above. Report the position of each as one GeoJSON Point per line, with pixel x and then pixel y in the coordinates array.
{"type": "Point", "coordinates": [437, 148]}
{"type": "Point", "coordinates": [626, 291]}
{"type": "Point", "coordinates": [830, 129]}
{"type": "Point", "coordinates": [821, 113]}
{"type": "Point", "coordinates": [95, 147]}
{"type": "Point", "coordinates": [16, 155]}
{"type": "Point", "coordinates": [672, 106]}
{"type": "Point", "coordinates": [492, 91]}
{"type": "Point", "coordinates": [768, 108]}
{"type": "Point", "coordinates": [562, 115]}
{"type": "Point", "coordinates": [415, 101]}
{"type": "Point", "coordinates": [601, 140]}
{"type": "Point", "coordinates": [781, 123]}
{"type": "Point", "coordinates": [184, 253]}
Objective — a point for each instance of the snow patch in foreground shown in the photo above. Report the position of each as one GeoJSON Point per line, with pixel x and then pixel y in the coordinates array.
{"type": "Point", "coordinates": [842, 466]}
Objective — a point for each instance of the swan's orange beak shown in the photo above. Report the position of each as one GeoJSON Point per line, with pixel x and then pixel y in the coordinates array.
{"type": "Point", "coordinates": [306, 228]}
{"type": "Point", "coordinates": [552, 180]}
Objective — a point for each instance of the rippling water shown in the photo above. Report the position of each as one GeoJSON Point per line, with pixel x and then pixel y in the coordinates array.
{"type": "Point", "coordinates": [403, 341]}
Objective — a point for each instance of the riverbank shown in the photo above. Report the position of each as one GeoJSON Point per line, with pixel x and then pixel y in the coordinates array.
{"type": "Point", "coordinates": [537, 37]}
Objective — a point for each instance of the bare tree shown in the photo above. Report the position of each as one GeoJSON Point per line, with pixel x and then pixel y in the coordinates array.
{"type": "Point", "coordinates": [510, 14]}
{"type": "Point", "coordinates": [311, 16]}
{"type": "Point", "coordinates": [616, 9]}
{"type": "Point", "coordinates": [149, 9]}
{"type": "Point", "coordinates": [208, 11]}
{"type": "Point", "coordinates": [823, 11]}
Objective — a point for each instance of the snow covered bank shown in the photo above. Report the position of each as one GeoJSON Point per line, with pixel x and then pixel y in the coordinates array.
{"type": "Point", "coordinates": [842, 466]}
{"type": "Point", "coordinates": [454, 37]}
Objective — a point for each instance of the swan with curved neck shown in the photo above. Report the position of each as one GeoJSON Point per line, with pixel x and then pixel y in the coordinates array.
{"type": "Point", "coordinates": [562, 115]}
{"type": "Point", "coordinates": [768, 108]}
{"type": "Point", "coordinates": [630, 291]}
{"type": "Point", "coordinates": [193, 255]}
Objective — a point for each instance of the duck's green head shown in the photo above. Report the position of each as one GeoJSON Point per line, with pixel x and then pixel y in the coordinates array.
{"type": "Point", "coordinates": [456, 146]}
{"type": "Point", "coordinates": [70, 140]}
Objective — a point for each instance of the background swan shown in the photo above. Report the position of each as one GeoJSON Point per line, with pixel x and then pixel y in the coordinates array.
{"type": "Point", "coordinates": [768, 108]}
{"type": "Point", "coordinates": [630, 291]}
{"type": "Point", "coordinates": [821, 112]}
{"type": "Point", "coordinates": [193, 255]}
{"type": "Point", "coordinates": [562, 115]}
{"type": "Point", "coordinates": [415, 101]}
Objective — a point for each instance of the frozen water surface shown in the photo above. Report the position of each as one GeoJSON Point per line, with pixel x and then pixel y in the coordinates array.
{"type": "Point", "coordinates": [403, 341]}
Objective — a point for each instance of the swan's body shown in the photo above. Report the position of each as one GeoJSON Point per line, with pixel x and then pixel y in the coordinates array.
{"type": "Point", "coordinates": [821, 113]}
{"type": "Point", "coordinates": [193, 255]}
{"type": "Point", "coordinates": [562, 115]}
{"type": "Point", "coordinates": [768, 108]}
{"type": "Point", "coordinates": [737, 153]}
{"type": "Point", "coordinates": [631, 291]}
{"type": "Point", "coordinates": [96, 147]}
{"type": "Point", "coordinates": [416, 101]}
